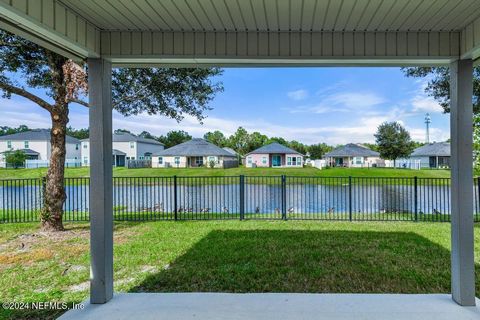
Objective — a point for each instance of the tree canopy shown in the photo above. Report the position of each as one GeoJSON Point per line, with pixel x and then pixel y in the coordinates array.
{"type": "Point", "coordinates": [393, 141]}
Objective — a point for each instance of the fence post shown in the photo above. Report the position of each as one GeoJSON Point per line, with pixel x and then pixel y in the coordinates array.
{"type": "Point", "coordinates": [44, 189]}
{"type": "Point", "coordinates": [350, 198]}
{"type": "Point", "coordinates": [175, 206]}
{"type": "Point", "coordinates": [415, 195]}
{"type": "Point", "coordinates": [242, 197]}
{"type": "Point", "coordinates": [284, 197]}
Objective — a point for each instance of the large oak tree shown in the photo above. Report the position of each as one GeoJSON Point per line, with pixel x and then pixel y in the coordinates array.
{"type": "Point", "coordinates": [170, 92]}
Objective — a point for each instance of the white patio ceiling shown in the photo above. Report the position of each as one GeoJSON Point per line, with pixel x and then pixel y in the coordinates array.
{"type": "Point", "coordinates": [252, 31]}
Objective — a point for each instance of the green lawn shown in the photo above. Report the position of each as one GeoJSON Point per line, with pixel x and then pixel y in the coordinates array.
{"type": "Point", "coordinates": [196, 172]}
{"type": "Point", "coordinates": [230, 256]}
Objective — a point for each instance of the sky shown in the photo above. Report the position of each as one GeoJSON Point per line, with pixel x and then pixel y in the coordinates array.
{"type": "Point", "coordinates": [310, 105]}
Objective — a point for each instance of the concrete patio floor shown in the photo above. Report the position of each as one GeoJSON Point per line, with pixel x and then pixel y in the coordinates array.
{"type": "Point", "coordinates": [226, 306]}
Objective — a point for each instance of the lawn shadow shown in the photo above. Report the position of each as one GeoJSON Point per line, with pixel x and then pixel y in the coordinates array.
{"type": "Point", "coordinates": [307, 261]}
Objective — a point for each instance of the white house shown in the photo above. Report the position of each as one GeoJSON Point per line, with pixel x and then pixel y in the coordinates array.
{"type": "Point", "coordinates": [126, 146]}
{"type": "Point", "coordinates": [36, 145]}
{"type": "Point", "coordinates": [353, 155]}
{"type": "Point", "coordinates": [193, 154]}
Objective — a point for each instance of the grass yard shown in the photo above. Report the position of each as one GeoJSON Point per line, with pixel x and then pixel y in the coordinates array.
{"type": "Point", "coordinates": [230, 256]}
{"type": "Point", "coordinates": [197, 172]}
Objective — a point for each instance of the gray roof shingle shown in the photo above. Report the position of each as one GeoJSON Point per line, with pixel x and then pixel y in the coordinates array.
{"type": "Point", "coordinates": [195, 147]}
{"type": "Point", "coordinates": [352, 150]}
{"type": "Point", "coordinates": [436, 149]}
{"type": "Point", "coordinates": [274, 147]}
{"type": "Point", "coordinates": [34, 135]}
{"type": "Point", "coordinates": [128, 137]}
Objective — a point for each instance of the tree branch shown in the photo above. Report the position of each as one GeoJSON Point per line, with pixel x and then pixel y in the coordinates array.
{"type": "Point", "coordinates": [79, 101]}
{"type": "Point", "coordinates": [23, 93]}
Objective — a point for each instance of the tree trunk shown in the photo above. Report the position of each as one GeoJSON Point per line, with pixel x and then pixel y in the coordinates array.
{"type": "Point", "coordinates": [55, 189]}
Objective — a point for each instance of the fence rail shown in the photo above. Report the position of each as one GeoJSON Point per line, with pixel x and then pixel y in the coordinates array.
{"type": "Point", "coordinates": [245, 197]}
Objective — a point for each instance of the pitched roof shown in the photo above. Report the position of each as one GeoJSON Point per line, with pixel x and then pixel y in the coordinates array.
{"type": "Point", "coordinates": [28, 152]}
{"type": "Point", "coordinates": [274, 147]}
{"type": "Point", "coordinates": [231, 151]}
{"type": "Point", "coordinates": [34, 135]}
{"type": "Point", "coordinates": [436, 149]}
{"type": "Point", "coordinates": [128, 137]}
{"type": "Point", "coordinates": [194, 147]}
{"type": "Point", "coordinates": [352, 150]}
{"type": "Point", "coordinates": [117, 152]}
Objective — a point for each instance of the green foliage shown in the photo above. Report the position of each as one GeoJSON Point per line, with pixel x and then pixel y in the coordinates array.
{"type": "Point", "coordinates": [170, 92]}
{"type": "Point", "coordinates": [216, 137]}
{"type": "Point", "coordinates": [5, 130]}
{"type": "Point", "coordinates": [393, 141]}
{"type": "Point", "coordinates": [239, 141]}
{"type": "Point", "coordinates": [79, 134]}
{"type": "Point", "coordinates": [317, 151]}
{"type": "Point", "coordinates": [438, 85]}
{"type": "Point", "coordinates": [15, 158]}
{"type": "Point", "coordinates": [212, 164]}
{"type": "Point", "coordinates": [173, 138]}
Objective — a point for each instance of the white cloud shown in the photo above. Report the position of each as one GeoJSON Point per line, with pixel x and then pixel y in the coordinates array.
{"type": "Point", "coordinates": [423, 103]}
{"type": "Point", "coordinates": [342, 102]}
{"type": "Point", "coordinates": [298, 94]}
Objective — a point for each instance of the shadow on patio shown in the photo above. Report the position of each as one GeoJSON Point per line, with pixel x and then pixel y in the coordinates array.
{"type": "Point", "coordinates": [307, 261]}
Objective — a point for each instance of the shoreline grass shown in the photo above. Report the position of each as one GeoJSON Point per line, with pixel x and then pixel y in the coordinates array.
{"type": "Point", "coordinates": [229, 256]}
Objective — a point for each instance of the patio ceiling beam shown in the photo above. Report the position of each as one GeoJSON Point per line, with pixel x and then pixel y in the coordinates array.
{"type": "Point", "coordinates": [461, 127]}
{"type": "Point", "coordinates": [470, 40]}
{"type": "Point", "coordinates": [141, 48]}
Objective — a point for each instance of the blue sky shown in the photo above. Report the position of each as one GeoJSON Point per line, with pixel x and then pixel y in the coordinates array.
{"type": "Point", "coordinates": [311, 105]}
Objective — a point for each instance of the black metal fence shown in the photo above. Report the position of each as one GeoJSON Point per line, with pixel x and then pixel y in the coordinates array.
{"type": "Point", "coordinates": [246, 197]}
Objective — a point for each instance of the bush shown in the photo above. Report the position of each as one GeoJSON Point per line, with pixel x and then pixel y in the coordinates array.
{"type": "Point", "coordinates": [16, 158]}
{"type": "Point", "coordinates": [212, 164]}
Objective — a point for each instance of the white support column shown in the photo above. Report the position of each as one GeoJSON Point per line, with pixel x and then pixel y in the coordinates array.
{"type": "Point", "coordinates": [461, 127]}
{"type": "Point", "coordinates": [101, 198]}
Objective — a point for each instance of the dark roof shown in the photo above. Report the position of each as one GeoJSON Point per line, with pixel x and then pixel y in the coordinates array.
{"type": "Point", "coordinates": [28, 152]}
{"type": "Point", "coordinates": [352, 150]}
{"type": "Point", "coordinates": [436, 149]}
{"type": "Point", "coordinates": [34, 135]}
{"type": "Point", "coordinates": [128, 137]}
{"type": "Point", "coordinates": [274, 148]}
{"type": "Point", "coordinates": [116, 152]}
{"type": "Point", "coordinates": [195, 147]}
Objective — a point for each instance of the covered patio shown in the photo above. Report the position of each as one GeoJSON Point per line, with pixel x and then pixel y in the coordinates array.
{"type": "Point", "coordinates": [262, 33]}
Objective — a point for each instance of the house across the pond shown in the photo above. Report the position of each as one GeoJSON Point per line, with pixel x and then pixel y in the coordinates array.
{"type": "Point", "coordinates": [126, 146]}
{"type": "Point", "coordinates": [433, 155]}
{"type": "Point", "coordinates": [274, 155]}
{"type": "Point", "coordinates": [36, 145]}
{"type": "Point", "coordinates": [353, 155]}
{"type": "Point", "coordinates": [193, 154]}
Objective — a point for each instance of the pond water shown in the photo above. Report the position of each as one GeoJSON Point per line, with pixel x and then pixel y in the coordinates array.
{"type": "Point", "coordinates": [299, 198]}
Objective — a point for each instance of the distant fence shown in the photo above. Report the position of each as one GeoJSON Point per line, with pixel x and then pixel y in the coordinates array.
{"type": "Point", "coordinates": [230, 164]}
{"type": "Point", "coordinates": [69, 163]}
{"type": "Point", "coordinates": [136, 164]}
{"type": "Point", "coordinates": [246, 197]}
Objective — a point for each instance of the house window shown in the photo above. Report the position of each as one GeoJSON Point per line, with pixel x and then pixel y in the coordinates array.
{"type": "Point", "coordinates": [9, 144]}
{"type": "Point", "coordinates": [177, 160]}
{"type": "Point", "coordinates": [132, 145]}
{"type": "Point", "coordinates": [294, 161]}
{"type": "Point", "coordinates": [85, 146]}
{"type": "Point", "coordinates": [85, 160]}
{"type": "Point", "coordinates": [299, 161]}
{"type": "Point", "coordinates": [289, 161]}
{"type": "Point", "coordinates": [160, 160]}
{"type": "Point", "coordinates": [264, 160]}
{"type": "Point", "coordinates": [140, 157]}
{"type": "Point", "coordinates": [357, 160]}
{"type": "Point", "coordinates": [211, 158]}
{"type": "Point", "coordinates": [249, 160]}
{"type": "Point", "coordinates": [25, 143]}
{"type": "Point", "coordinates": [76, 146]}
{"type": "Point", "coordinates": [198, 161]}
{"type": "Point", "coordinates": [132, 158]}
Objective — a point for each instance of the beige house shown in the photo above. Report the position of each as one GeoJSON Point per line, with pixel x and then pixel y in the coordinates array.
{"type": "Point", "coordinates": [194, 154]}
{"type": "Point", "coordinates": [354, 156]}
